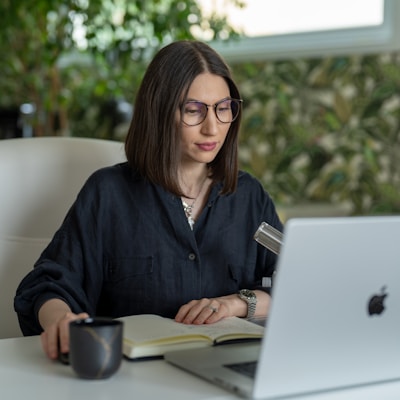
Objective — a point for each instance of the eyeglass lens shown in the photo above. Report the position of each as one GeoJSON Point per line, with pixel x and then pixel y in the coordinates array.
{"type": "Point", "coordinates": [195, 112]}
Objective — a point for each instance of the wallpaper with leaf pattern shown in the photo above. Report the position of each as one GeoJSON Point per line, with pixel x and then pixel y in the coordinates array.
{"type": "Point", "coordinates": [324, 130]}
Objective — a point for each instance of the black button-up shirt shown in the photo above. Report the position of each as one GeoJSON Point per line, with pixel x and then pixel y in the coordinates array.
{"type": "Point", "coordinates": [125, 247]}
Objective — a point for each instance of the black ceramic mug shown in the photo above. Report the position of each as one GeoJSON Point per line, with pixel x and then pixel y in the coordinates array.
{"type": "Point", "coordinates": [95, 347]}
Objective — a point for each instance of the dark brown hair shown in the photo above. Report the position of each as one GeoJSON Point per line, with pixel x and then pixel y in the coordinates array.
{"type": "Point", "coordinates": [153, 142]}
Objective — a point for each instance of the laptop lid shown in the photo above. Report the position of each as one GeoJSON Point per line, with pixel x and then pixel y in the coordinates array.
{"type": "Point", "coordinates": [335, 315]}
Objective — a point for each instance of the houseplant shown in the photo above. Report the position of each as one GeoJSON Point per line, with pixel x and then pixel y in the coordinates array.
{"type": "Point", "coordinates": [71, 58]}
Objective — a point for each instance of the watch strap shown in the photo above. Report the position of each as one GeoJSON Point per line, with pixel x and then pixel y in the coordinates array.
{"type": "Point", "coordinates": [251, 299]}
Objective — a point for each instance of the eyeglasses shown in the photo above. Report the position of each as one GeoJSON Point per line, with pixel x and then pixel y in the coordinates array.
{"type": "Point", "coordinates": [195, 112]}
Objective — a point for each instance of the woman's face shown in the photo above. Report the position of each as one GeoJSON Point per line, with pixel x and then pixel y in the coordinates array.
{"type": "Point", "coordinates": [201, 143]}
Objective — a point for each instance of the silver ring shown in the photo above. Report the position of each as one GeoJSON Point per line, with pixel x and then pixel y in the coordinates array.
{"type": "Point", "coordinates": [213, 309]}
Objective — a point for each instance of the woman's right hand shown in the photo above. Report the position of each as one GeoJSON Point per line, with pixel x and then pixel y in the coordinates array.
{"type": "Point", "coordinates": [55, 317]}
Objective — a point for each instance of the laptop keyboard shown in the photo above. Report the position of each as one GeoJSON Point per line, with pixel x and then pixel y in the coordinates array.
{"type": "Point", "coordinates": [244, 368]}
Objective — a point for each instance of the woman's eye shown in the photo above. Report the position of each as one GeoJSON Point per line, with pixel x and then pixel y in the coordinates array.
{"type": "Point", "coordinates": [192, 109]}
{"type": "Point", "coordinates": [223, 107]}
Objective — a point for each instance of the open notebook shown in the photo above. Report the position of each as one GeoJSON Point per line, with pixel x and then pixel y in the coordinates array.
{"type": "Point", "coordinates": [335, 316]}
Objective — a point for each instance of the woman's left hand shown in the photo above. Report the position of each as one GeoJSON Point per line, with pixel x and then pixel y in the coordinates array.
{"type": "Point", "coordinates": [208, 311]}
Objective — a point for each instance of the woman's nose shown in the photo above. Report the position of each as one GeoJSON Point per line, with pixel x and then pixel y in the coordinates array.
{"type": "Point", "coordinates": [210, 123]}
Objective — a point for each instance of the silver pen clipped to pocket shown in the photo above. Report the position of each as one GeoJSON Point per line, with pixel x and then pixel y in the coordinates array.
{"type": "Point", "coordinates": [269, 237]}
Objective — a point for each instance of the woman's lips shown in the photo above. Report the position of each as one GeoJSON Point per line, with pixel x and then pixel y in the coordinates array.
{"type": "Point", "coordinates": [207, 146]}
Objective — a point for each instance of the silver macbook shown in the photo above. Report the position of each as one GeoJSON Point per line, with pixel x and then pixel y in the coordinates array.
{"type": "Point", "coordinates": [335, 316]}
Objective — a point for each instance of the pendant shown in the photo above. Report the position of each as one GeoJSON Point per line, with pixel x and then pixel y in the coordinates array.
{"type": "Point", "coordinates": [188, 212]}
{"type": "Point", "coordinates": [191, 222]}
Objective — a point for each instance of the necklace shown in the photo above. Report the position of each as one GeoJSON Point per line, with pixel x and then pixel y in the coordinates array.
{"type": "Point", "coordinates": [188, 208]}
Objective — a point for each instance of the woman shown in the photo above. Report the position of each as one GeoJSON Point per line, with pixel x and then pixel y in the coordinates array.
{"type": "Point", "coordinates": [170, 232]}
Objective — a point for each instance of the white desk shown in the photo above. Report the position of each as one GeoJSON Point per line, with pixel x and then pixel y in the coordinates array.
{"type": "Point", "coordinates": [26, 373]}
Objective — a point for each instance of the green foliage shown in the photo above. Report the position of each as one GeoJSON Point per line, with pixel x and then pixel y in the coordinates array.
{"type": "Point", "coordinates": [324, 130]}
{"type": "Point", "coordinates": [68, 57]}
{"type": "Point", "coordinates": [314, 130]}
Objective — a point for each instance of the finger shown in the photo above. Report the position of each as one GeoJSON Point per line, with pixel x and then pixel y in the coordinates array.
{"type": "Point", "coordinates": [64, 329]}
{"type": "Point", "coordinates": [189, 311]}
{"type": "Point", "coordinates": [199, 312]}
{"type": "Point", "coordinates": [49, 340]}
{"type": "Point", "coordinates": [206, 313]}
{"type": "Point", "coordinates": [213, 309]}
{"type": "Point", "coordinates": [182, 312]}
{"type": "Point", "coordinates": [222, 312]}
{"type": "Point", "coordinates": [214, 317]}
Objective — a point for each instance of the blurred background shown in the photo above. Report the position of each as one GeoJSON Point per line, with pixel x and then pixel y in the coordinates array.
{"type": "Point", "coordinates": [321, 91]}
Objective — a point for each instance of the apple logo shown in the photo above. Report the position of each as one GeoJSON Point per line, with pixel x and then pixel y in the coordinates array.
{"type": "Point", "coordinates": [375, 303]}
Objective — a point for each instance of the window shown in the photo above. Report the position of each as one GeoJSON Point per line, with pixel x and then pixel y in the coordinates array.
{"type": "Point", "coordinates": [281, 29]}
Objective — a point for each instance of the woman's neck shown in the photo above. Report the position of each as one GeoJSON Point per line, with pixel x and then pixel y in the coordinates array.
{"type": "Point", "coordinates": [193, 181]}
{"type": "Point", "coordinates": [195, 187]}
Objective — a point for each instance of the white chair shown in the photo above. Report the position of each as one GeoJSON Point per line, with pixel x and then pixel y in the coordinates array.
{"type": "Point", "coordinates": [39, 180]}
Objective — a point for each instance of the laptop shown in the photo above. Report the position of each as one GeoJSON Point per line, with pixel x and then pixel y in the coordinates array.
{"type": "Point", "coordinates": [334, 322]}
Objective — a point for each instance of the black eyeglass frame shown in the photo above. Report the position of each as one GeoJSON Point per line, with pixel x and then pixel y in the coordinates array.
{"type": "Point", "coordinates": [214, 106]}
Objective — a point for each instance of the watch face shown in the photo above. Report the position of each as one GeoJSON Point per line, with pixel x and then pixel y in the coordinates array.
{"type": "Point", "coordinates": [249, 294]}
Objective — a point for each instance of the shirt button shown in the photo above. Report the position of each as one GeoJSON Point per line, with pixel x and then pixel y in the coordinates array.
{"type": "Point", "coordinates": [192, 256]}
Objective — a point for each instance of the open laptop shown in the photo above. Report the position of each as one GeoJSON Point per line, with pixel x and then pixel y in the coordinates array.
{"type": "Point", "coordinates": [335, 316]}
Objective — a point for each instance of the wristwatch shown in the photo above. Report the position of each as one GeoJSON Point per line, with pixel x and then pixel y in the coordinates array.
{"type": "Point", "coordinates": [251, 299]}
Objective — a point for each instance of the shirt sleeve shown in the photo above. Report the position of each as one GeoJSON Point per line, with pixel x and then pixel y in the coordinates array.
{"type": "Point", "coordinates": [70, 267]}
